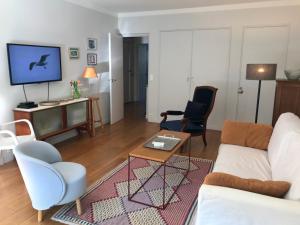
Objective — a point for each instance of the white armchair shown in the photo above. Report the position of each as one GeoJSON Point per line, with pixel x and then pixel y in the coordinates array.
{"type": "Point", "coordinates": [9, 140]}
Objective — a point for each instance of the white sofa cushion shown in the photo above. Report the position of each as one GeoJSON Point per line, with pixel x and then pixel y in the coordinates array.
{"type": "Point", "coordinates": [284, 153]}
{"type": "Point", "coordinates": [287, 122]}
{"type": "Point", "coordinates": [288, 167]}
{"type": "Point", "coordinates": [227, 206]}
{"type": "Point", "coordinates": [243, 162]}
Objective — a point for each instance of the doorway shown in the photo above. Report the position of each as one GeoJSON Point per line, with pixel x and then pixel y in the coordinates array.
{"type": "Point", "coordinates": [262, 45]}
{"type": "Point", "coordinates": [135, 70]}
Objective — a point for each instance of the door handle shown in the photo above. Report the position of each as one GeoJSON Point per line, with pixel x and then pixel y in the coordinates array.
{"type": "Point", "coordinates": [240, 90]}
{"type": "Point", "coordinates": [113, 80]}
{"type": "Point", "coordinates": [188, 79]}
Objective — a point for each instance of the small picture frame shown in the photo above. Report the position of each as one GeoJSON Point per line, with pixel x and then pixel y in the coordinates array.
{"type": "Point", "coordinates": [74, 53]}
{"type": "Point", "coordinates": [91, 44]}
{"type": "Point", "coordinates": [92, 59]}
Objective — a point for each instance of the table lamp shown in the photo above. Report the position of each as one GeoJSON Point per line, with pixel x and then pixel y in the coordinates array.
{"type": "Point", "coordinates": [260, 72]}
{"type": "Point", "coordinates": [89, 72]}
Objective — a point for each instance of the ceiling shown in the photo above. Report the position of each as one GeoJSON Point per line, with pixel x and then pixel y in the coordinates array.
{"type": "Point", "coordinates": [129, 6]}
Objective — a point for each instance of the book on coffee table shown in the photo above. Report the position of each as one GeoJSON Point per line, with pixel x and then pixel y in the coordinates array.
{"type": "Point", "coordinates": [165, 143]}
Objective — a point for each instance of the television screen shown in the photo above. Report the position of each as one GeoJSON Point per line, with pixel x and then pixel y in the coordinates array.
{"type": "Point", "coordinates": [33, 64]}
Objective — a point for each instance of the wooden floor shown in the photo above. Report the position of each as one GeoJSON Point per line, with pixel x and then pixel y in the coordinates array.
{"type": "Point", "coordinates": [99, 155]}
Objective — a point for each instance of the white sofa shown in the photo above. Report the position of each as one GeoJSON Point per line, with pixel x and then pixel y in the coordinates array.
{"type": "Point", "coordinates": [226, 206]}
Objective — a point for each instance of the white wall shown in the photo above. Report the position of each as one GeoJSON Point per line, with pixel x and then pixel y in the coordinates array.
{"type": "Point", "coordinates": [51, 22]}
{"type": "Point", "coordinates": [236, 20]}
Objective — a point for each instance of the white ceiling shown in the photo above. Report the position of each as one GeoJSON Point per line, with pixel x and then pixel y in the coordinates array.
{"type": "Point", "coordinates": [121, 6]}
{"type": "Point", "coordinates": [132, 6]}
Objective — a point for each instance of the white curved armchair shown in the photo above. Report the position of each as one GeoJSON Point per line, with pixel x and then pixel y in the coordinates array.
{"type": "Point", "coordinates": [48, 180]}
{"type": "Point", "coordinates": [9, 140]}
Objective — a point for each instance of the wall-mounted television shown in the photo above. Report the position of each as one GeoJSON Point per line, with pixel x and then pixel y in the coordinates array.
{"type": "Point", "coordinates": [30, 64]}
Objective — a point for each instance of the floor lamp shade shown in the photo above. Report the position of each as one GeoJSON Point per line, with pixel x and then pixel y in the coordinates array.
{"type": "Point", "coordinates": [261, 71]}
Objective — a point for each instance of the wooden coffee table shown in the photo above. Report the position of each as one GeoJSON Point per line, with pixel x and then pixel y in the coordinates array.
{"type": "Point", "coordinates": [161, 157]}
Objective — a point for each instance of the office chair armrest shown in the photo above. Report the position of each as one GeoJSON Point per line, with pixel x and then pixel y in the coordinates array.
{"type": "Point", "coordinates": [174, 113]}
{"type": "Point", "coordinates": [9, 133]}
{"type": "Point", "coordinates": [22, 121]}
{"type": "Point", "coordinates": [171, 113]}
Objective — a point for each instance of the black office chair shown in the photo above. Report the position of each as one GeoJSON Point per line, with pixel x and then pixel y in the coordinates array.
{"type": "Point", "coordinates": [195, 115]}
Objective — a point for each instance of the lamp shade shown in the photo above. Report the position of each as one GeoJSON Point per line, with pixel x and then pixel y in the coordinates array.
{"type": "Point", "coordinates": [89, 72]}
{"type": "Point", "coordinates": [261, 71]}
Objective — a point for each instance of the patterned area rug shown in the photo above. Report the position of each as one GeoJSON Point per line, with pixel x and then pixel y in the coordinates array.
{"type": "Point", "coordinates": [106, 202]}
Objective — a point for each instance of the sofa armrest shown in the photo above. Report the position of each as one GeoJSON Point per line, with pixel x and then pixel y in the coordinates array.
{"type": "Point", "coordinates": [226, 206]}
{"type": "Point", "coordinates": [246, 134]}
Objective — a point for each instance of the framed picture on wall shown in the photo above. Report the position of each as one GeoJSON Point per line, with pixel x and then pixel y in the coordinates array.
{"type": "Point", "coordinates": [91, 44]}
{"type": "Point", "coordinates": [92, 59]}
{"type": "Point", "coordinates": [74, 53]}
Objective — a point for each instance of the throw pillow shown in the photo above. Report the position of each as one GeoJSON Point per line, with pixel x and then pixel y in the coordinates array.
{"type": "Point", "coordinates": [276, 189]}
{"type": "Point", "coordinates": [234, 133]}
{"type": "Point", "coordinates": [246, 134]}
{"type": "Point", "coordinates": [258, 136]}
{"type": "Point", "coordinates": [194, 111]}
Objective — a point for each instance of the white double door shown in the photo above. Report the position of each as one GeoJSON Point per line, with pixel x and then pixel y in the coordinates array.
{"type": "Point", "coordinates": [191, 58]}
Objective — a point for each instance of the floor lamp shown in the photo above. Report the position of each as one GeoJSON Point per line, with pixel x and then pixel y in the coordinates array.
{"type": "Point", "coordinates": [260, 72]}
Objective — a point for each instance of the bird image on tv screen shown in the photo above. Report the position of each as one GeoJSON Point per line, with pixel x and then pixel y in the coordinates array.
{"type": "Point", "coordinates": [33, 64]}
{"type": "Point", "coordinates": [42, 62]}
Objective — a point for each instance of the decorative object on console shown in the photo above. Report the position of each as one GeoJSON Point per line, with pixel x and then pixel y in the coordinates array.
{"type": "Point", "coordinates": [74, 53]}
{"type": "Point", "coordinates": [75, 88]}
{"type": "Point", "coordinates": [27, 105]}
{"type": "Point", "coordinates": [49, 103]}
{"type": "Point", "coordinates": [92, 59]}
{"type": "Point", "coordinates": [260, 72]}
{"type": "Point", "coordinates": [89, 72]}
{"type": "Point", "coordinates": [91, 44]}
{"type": "Point", "coordinates": [292, 74]}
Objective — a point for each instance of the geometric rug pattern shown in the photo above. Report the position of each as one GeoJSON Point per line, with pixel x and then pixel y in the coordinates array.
{"type": "Point", "coordinates": [106, 202]}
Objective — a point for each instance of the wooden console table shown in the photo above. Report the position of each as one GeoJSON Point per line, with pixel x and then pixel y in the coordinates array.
{"type": "Point", "coordinates": [49, 121]}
